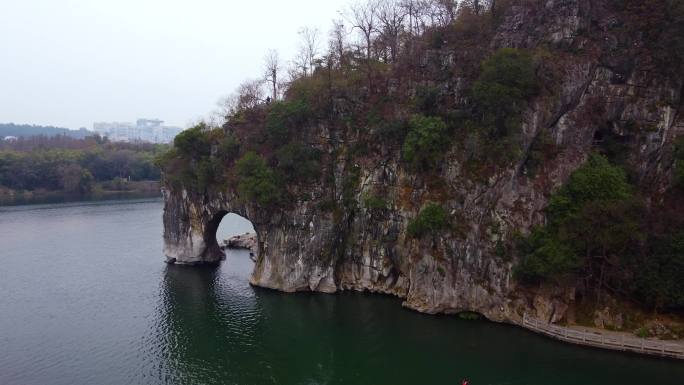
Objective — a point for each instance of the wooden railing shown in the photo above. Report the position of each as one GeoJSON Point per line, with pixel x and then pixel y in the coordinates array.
{"type": "Point", "coordinates": [614, 342]}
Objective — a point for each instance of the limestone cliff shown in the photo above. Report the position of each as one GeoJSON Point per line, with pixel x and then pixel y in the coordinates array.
{"type": "Point", "coordinates": [603, 84]}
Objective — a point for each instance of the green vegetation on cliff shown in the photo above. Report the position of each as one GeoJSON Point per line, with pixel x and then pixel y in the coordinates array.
{"type": "Point", "coordinates": [257, 181]}
{"type": "Point", "coordinates": [658, 281]}
{"type": "Point", "coordinates": [298, 163]}
{"type": "Point", "coordinates": [589, 220]}
{"type": "Point", "coordinates": [508, 80]}
{"type": "Point", "coordinates": [426, 142]}
{"type": "Point", "coordinates": [432, 219]}
{"type": "Point", "coordinates": [284, 117]}
{"type": "Point", "coordinates": [597, 230]}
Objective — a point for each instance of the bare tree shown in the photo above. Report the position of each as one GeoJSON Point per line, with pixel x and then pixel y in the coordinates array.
{"type": "Point", "coordinates": [422, 13]}
{"type": "Point", "coordinates": [478, 6]}
{"type": "Point", "coordinates": [391, 17]}
{"type": "Point", "coordinates": [250, 94]}
{"type": "Point", "coordinates": [410, 9]}
{"type": "Point", "coordinates": [226, 107]}
{"type": "Point", "coordinates": [338, 42]}
{"type": "Point", "coordinates": [363, 16]}
{"type": "Point", "coordinates": [299, 66]}
{"type": "Point", "coordinates": [310, 45]}
{"type": "Point", "coordinates": [272, 67]}
{"type": "Point", "coordinates": [444, 11]}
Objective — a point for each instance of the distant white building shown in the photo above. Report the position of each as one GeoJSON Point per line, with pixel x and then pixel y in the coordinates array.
{"type": "Point", "coordinates": [10, 138]}
{"type": "Point", "coordinates": [144, 130]}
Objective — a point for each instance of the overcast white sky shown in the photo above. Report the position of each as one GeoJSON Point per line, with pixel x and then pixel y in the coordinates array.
{"type": "Point", "coordinates": [70, 63]}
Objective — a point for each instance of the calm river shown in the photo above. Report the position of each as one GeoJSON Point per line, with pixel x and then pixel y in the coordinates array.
{"type": "Point", "coordinates": [85, 298]}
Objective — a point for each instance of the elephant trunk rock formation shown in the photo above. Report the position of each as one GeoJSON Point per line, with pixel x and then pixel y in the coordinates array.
{"type": "Point", "coordinates": [308, 246]}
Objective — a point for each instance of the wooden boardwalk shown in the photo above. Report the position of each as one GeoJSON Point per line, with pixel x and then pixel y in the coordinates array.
{"type": "Point", "coordinates": [606, 341]}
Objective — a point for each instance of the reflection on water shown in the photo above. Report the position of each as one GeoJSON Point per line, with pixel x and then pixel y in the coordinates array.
{"type": "Point", "coordinates": [207, 323]}
{"type": "Point", "coordinates": [219, 330]}
{"type": "Point", "coordinates": [215, 328]}
{"type": "Point", "coordinates": [86, 299]}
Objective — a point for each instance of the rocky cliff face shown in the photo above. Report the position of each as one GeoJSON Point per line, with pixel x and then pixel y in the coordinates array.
{"type": "Point", "coordinates": [604, 85]}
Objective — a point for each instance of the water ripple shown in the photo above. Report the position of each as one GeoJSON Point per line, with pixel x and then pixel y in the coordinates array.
{"type": "Point", "coordinates": [86, 300]}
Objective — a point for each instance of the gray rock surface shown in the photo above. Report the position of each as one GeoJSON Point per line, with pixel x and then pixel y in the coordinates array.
{"type": "Point", "coordinates": [308, 248]}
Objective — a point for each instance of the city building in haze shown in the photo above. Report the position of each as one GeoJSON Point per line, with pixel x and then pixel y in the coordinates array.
{"type": "Point", "coordinates": [143, 130]}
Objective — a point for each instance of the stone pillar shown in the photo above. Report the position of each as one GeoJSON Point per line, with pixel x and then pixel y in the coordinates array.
{"type": "Point", "coordinates": [189, 231]}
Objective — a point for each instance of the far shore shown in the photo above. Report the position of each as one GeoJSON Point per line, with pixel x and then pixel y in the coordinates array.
{"type": "Point", "coordinates": [100, 191]}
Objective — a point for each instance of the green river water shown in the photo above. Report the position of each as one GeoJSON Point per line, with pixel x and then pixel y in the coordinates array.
{"type": "Point", "coordinates": [85, 298]}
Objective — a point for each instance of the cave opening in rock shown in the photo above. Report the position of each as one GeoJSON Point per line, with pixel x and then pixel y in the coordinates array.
{"type": "Point", "coordinates": [225, 226]}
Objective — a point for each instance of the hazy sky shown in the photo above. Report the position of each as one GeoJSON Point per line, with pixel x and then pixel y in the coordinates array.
{"type": "Point", "coordinates": [72, 62]}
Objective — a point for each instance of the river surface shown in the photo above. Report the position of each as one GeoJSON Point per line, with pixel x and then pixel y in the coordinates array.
{"type": "Point", "coordinates": [86, 299]}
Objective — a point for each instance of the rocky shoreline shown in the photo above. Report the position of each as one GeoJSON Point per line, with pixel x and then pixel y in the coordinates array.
{"type": "Point", "coordinates": [573, 334]}
{"type": "Point", "coordinates": [247, 241]}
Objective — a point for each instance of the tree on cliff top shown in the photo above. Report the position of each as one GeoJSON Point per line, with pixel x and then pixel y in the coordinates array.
{"type": "Point", "coordinates": [193, 143]}
{"type": "Point", "coordinates": [271, 71]}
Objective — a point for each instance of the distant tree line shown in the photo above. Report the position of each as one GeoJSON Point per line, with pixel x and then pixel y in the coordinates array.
{"type": "Point", "coordinates": [73, 165]}
{"type": "Point", "coordinates": [26, 130]}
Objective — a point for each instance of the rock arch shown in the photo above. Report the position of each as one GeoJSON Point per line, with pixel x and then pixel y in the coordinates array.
{"type": "Point", "coordinates": [190, 227]}
{"type": "Point", "coordinates": [288, 247]}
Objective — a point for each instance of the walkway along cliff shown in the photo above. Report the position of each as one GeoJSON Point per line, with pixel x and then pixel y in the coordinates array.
{"type": "Point", "coordinates": [364, 207]}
